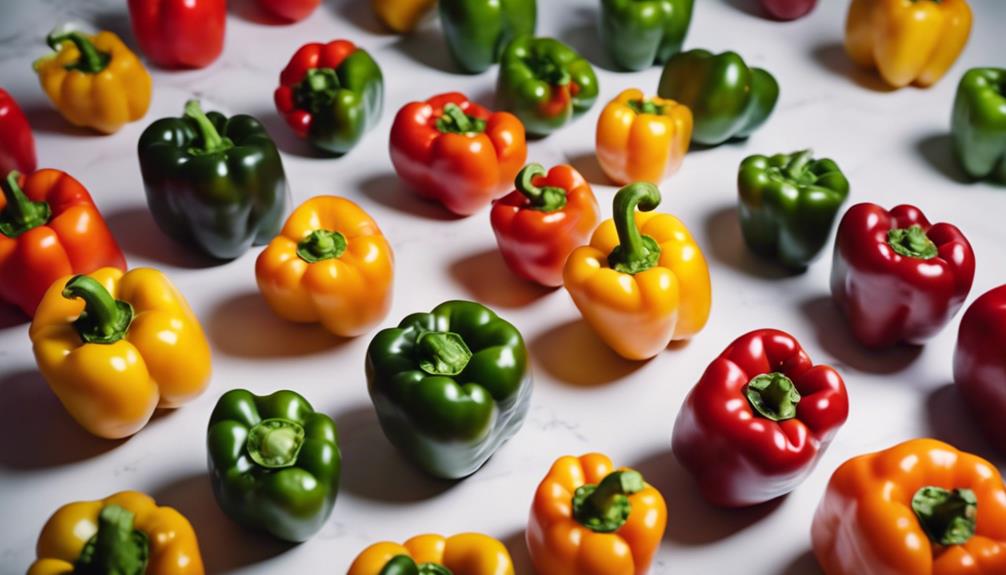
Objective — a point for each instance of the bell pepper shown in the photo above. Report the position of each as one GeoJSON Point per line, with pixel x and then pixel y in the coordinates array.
{"type": "Point", "coordinates": [788, 9]}
{"type": "Point", "coordinates": [642, 139]}
{"type": "Point", "coordinates": [456, 152]}
{"type": "Point", "coordinates": [213, 183]}
{"type": "Point", "coordinates": [462, 554]}
{"type": "Point", "coordinates": [907, 42]}
{"type": "Point", "coordinates": [979, 124]}
{"type": "Point", "coordinates": [920, 507]}
{"type": "Point", "coordinates": [545, 83]}
{"type": "Point", "coordinates": [642, 282]}
{"type": "Point", "coordinates": [49, 228]}
{"type": "Point", "coordinates": [401, 16]}
{"type": "Point", "coordinates": [123, 534]}
{"type": "Point", "coordinates": [640, 33]}
{"type": "Point", "coordinates": [274, 462]}
{"type": "Point", "coordinates": [540, 223]}
{"type": "Point", "coordinates": [331, 265]}
{"type": "Point", "coordinates": [290, 10]}
{"type": "Point", "coordinates": [896, 277]}
{"type": "Point", "coordinates": [17, 143]}
{"type": "Point", "coordinates": [94, 81]}
{"type": "Point", "coordinates": [477, 31]}
{"type": "Point", "coordinates": [727, 98]}
{"type": "Point", "coordinates": [788, 204]}
{"type": "Point", "coordinates": [450, 387]}
{"type": "Point", "coordinates": [114, 346]}
{"type": "Point", "coordinates": [179, 33]}
{"type": "Point", "coordinates": [980, 366]}
{"type": "Point", "coordinates": [758, 421]}
{"type": "Point", "coordinates": [331, 94]}
{"type": "Point", "coordinates": [589, 518]}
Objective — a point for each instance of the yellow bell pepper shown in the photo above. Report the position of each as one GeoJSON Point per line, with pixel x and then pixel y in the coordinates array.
{"type": "Point", "coordinates": [114, 346]}
{"type": "Point", "coordinates": [907, 41]}
{"type": "Point", "coordinates": [94, 81]}
{"type": "Point", "coordinates": [463, 554]}
{"type": "Point", "coordinates": [330, 264]}
{"type": "Point", "coordinates": [401, 15]}
{"type": "Point", "coordinates": [641, 139]}
{"type": "Point", "coordinates": [643, 281]}
{"type": "Point", "coordinates": [117, 535]}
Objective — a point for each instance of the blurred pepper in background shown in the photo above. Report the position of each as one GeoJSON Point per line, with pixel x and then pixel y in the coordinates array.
{"type": "Point", "coordinates": [179, 33]}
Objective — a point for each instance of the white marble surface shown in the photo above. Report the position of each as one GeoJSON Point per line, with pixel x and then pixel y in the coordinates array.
{"type": "Point", "coordinates": [892, 145]}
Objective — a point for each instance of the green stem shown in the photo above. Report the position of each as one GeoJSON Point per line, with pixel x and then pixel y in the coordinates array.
{"type": "Point", "coordinates": [117, 548]}
{"type": "Point", "coordinates": [91, 60]}
{"type": "Point", "coordinates": [455, 121]}
{"type": "Point", "coordinates": [635, 252]}
{"type": "Point", "coordinates": [605, 507]}
{"type": "Point", "coordinates": [321, 245]}
{"type": "Point", "coordinates": [442, 353]}
{"type": "Point", "coordinates": [547, 199]}
{"type": "Point", "coordinates": [405, 565]}
{"type": "Point", "coordinates": [646, 107]}
{"type": "Point", "coordinates": [547, 69]}
{"type": "Point", "coordinates": [213, 142]}
{"type": "Point", "coordinates": [773, 396]}
{"type": "Point", "coordinates": [796, 165]}
{"type": "Point", "coordinates": [20, 214]}
{"type": "Point", "coordinates": [948, 517]}
{"type": "Point", "coordinates": [105, 319]}
{"type": "Point", "coordinates": [317, 90]}
{"type": "Point", "coordinates": [912, 242]}
{"type": "Point", "coordinates": [275, 443]}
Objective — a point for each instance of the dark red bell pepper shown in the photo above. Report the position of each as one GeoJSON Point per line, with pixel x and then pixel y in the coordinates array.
{"type": "Point", "coordinates": [292, 10]}
{"type": "Point", "coordinates": [896, 277]}
{"type": "Point", "coordinates": [980, 363]}
{"type": "Point", "coordinates": [179, 33]}
{"type": "Point", "coordinates": [788, 9]}
{"type": "Point", "coordinates": [758, 420]}
{"type": "Point", "coordinates": [17, 143]}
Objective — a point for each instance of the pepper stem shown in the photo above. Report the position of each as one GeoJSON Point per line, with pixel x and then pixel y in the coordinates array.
{"type": "Point", "coordinates": [646, 107]}
{"type": "Point", "coordinates": [20, 214]}
{"type": "Point", "coordinates": [275, 443]}
{"type": "Point", "coordinates": [405, 565]}
{"type": "Point", "coordinates": [105, 319]}
{"type": "Point", "coordinates": [797, 164]}
{"type": "Point", "coordinates": [212, 140]}
{"type": "Point", "coordinates": [635, 252]}
{"type": "Point", "coordinates": [91, 59]}
{"type": "Point", "coordinates": [546, 199]}
{"type": "Point", "coordinates": [546, 68]}
{"type": "Point", "coordinates": [912, 242]}
{"type": "Point", "coordinates": [442, 353]}
{"type": "Point", "coordinates": [605, 507]}
{"type": "Point", "coordinates": [455, 121]}
{"type": "Point", "coordinates": [317, 90]}
{"type": "Point", "coordinates": [116, 548]}
{"type": "Point", "coordinates": [321, 245]}
{"type": "Point", "coordinates": [948, 517]}
{"type": "Point", "coordinates": [773, 396]}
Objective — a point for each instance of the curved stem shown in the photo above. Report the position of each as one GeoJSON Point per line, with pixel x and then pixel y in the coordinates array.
{"type": "Point", "coordinates": [116, 548]}
{"type": "Point", "coordinates": [948, 517]}
{"type": "Point", "coordinates": [773, 396]}
{"type": "Point", "coordinates": [796, 165]}
{"type": "Point", "coordinates": [635, 252]}
{"type": "Point", "coordinates": [605, 507]}
{"type": "Point", "coordinates": [20, 213]}
{"type": "Point", "coordinates": [912, 242]}
{"type": "Point", "coordinates": [105, 319]}
{"type": "Point", "coordinates": [275, 443]}
{"type": "Point", "coordinates": [91, 60]}
{"type": "Point", "coordinates": [455, 121]}
{"type": "Point", "coordinates": [546, 199]}
{"type": "Point", "coordinates": [321, 245]}
{"type": "Point", "coordinates": [212, 140]}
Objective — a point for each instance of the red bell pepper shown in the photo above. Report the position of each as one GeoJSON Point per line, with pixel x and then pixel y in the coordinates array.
{"type": "Point", "coordinates": [292, 10]}
{"type": "Point", "coordinates": [49, 228]}
{"type": "Point", "coordinates": [758, 420]}
{"type": "Point", "coordinates": [17, 144]}
{"type": "Point", "coordinates": [179, 33]}
{"type": "Point", "coordinates": [788, 9]}
{"type": "Point", "coordinates": [543, 220]}
{"type": "Point", "coordinates": [896, 277]}
{"type": "Point", "coordinates": [457, 152]}
{"type": "Point", "coordinates": [980, 364]}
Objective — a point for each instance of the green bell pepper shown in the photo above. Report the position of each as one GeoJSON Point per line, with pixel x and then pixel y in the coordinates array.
{"type": "Point", "coordinates": [214, 184]}
{"type": "Point", "coordinates": [450, 386]}
{"type": "Point", "coordinates": [477, 31]}
{"type": "Point", "coordinates": [979, 124]}
{"type": "Point", "coordinates": [274, 462]}
{"type": "Point", "coordinates": [788, 204]}
{"type": "Point", "coordinates": [545, 83]}
{"type": "Point", "coordinates": [641, 33]}
{"type": "Point", "coordinates": [727, 98]}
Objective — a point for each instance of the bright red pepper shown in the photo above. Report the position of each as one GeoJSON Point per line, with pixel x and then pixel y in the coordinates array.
{"type": "Point", "coordinates": [980, 364]}
{"type": "Point", "coordinates": [758, 420]}
{"type": "Point", "coordinates": [17, 144]}
{"type": "Point", "coordinates": [788, 9]}
{"type": "Point", "coordinates": [543, 220]}
{"type": "Point", "coordinates": [896, 277]}
{"type": "Point", "coordinates": [179, 33]}
{"type": "Point", "coordinates": [292, 10]}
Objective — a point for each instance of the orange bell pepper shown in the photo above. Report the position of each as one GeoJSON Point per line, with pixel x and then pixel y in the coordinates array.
{"type": "Point", "coordinates": [463, 554]}
{"type": "Point", "coordinates": [921, 507]}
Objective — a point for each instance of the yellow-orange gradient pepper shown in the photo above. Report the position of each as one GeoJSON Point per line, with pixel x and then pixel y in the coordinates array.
{"type": "Point", "coordinates": [124, 533]}
{"type": "Point", "coordinates": [94, 81]}
{"type": "Point", "coordinates": [907, 41]}
{"type": "Point", "coordinates": [642, 139]}
{"type": "Point", "coordinates": [590, 519]}
{"type": "Point", "coordinates": [114, 346]}
{"type": "Point", "coordinates": [643, 281]}
{"type": "Point", "coordinates": [401, 15]}
{"type": "Point", "coordinates": [329, 265]}
{"type": "Point", "coordinates": [463, 554]}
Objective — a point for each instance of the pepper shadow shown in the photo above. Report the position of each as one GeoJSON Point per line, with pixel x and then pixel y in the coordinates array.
{"type": "Point", "coordinates": [250, 11]}
{"type": "Point", "coordinates": [391, 192]}
{"type": "Point", "coordinates": [573, 354]}
{"type": "Point", "coordinates": [426, 46]}
{"type": "Point", "coordinates": [45, 119]}
{"type": "Point", "coordinates": [586, 163]}
{"type": "Point", "coordinates": [803, 564]}
{"type": "Point", "coordinates": [359, 14]}
{"type": "Point", "coordinates": [726, 245]}
{"type": "Point", "coordinates": [487, 278]}
{"type": "Point", "coordinates": [139, 236]}
{"type": "Point", "coordinates": [582, 34]}
{"type": "Point", "coordinates": [519, 554]}
{"type": "Point", "coordinates": [287, 141]}
{"type": "Point", "coordinates": [749, 7]}
{"type": "Point", "coordinates": [938, 151]}
{"type": "Point", "coordinates": [832, 57]}
{"type": "Point", "coordinates": [949, 419]}
{"type": "Point", "coordinates": [11, 316]}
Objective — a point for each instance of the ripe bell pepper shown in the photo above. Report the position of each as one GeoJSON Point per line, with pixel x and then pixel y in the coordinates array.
{"type": "Point", "coordinates": [274, 462]}
{"type": "Point", "coordinates": [17, 143]}
{"type": "Point", "coordinates": [114, 346]}
{"type": "Point", "coordinates": [788, 9]}
{"type": "Point", "coordinates": [643, 281]}
{"type": "Point", "coordinates": [540, 223]}
{"type": "Point", "coordinates": [331, 265]}
{"type": "Point", "coordinates": [290, 10]}
{"type": "Point", "coordinates": [979, 124]}
{"type": "Point", "coordinates": [213, 183]}
{"type": "Point", "coordinates": [477, 31]}
{"type": "Point", "coordinates": [757, 422]}
{"type": "Point", "coordinates": [456, 152]}
{"type": "Point", "coordinates": [401, 16]}
{"type": "Point", "coordinates": [589, 518]}
{"type": "Point", "coordinates": [123, 534]}
{"type": "Point", "coordinates": [727, 98]}
{"type": "Point", "coordinates": [49, 228]}
{"type": "Point", "coordinates": [462, 554]}
{"type": "Point", "coordinates": [920, 507]}
{"type": "Point", "coordinates": [450, 387]}
{"type": "Point", "coordinates": [640, 33]}
{"type": "Point", "coordinates": [179, 33]}
{"type": "Point", "coordinates": [980, 365]}
{"type": "Point", "coordinates": [896, 277]}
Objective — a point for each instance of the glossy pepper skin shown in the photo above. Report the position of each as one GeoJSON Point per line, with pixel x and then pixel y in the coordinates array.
{"type": "Point", "coordinates": [896, 277]}
{"type": "Point", "coordinates": [450, 386]}
{"type": "Point", "coordinates": [214, 184]}
{"type": "Point", "coordinates": [788, 9]}
{"type": "Point", "coordinates": [453, 151]}
{"type": "Point", "coordinates": [589, 518]}
{"type": "Point", "coordinates": [125, 533]}
{"type": "Point", "coordinates": [462, 554]}
{"type": "Point", "coordinates": [727, 98]}
{"type": "Point", "coordinates": [49, 228]}
{"type": "Point", "coordinates": [788, 204]}
{"type": "Point", "coordinates": [114, 346]}
{"type": "Point", "coordinates": [331, 94]}
{"type": "Point", "coordinates": [757, 422]}
{"type": "Point", "coordinates": [401, 16]}
{"type": "Point", "coordinates": [17, 143]}
{"type": "Point", "coordinates": [274, 462]}
{"type": "Point", "coordinates": [477, 31]}
{"type": "Point", "coordinates": [179, 33]}
{"type": "Point", "coordinates": [642, 282]}
{"type": "Point", "coordinates": [877, 516]}
{"type": "Point", "coordinates": [978, 125]}
{"type": "Point", "coordinates": [640, 33]}
{"type": "Point", "coordinates": [545, 83]}
{"type": "Point", "coordinates": [907, 41]}
{"type": "Point", "coordinates": [330, 265]}
{"type": "Point", "coordinates": [980, 366]}
{"type": "Point", "coordinates": [290, 10]}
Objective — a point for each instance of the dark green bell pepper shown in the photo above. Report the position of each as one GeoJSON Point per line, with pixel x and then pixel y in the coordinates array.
{"type": "Point", "coordinates": [214, 184]}
{"type": "Point", "coordinates": [640, 33]}
{"type": "Point", "coordinates": [727, 98]}
{"type": "Point", "coordinates": [979, 124]}
{"type": "Point", "coordinates": [788, 204]}
{"type": "Point", "coordinates": [449, 386]}
{"type": "Point", "coordinates": [477, 31]}
{"type": "Point", "coordinates": [274, 462]}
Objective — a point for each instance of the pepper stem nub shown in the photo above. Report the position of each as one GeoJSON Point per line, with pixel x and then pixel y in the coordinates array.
{"type": "Point", "coordinates": [20, 214]}
{"type": "Point", "coordinates": [275, 443]}
{"type": "Point", "coordinates": [796, 165]}
{"type": "Point", "coordinates": [91, 59]}
{"type": "Point", "coordinates": [321, 245]}
{"type": "Point", "coordinates": [605, 507]}
{"type": "Point", "coordinates": [545, 199]}
{"type": "Point", "coordinates": [646, 107]}
{"type": "Point", "coordinates": [912, 242]}
{"type": "Point", "coordinates": [773, 396]}
{"type": "Point", "coordinates": [442, 353]}
{"type": "Point", "coordinates": [317, 90]}
{"type": "Point", "coordinates": [212, 140]}
{"type": "Point", "coordinates": [105, 319]}
{"type": "Point", "coordinates": [405, 565]}
{"type": "Point", "coordinates": [455, 121]}
{"type": "Point", "coordinates": [635, 252]}
{"type": "Point", "coordinates": [947, 516]}
{"type": "Point", "coordinates": [116, 548]}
